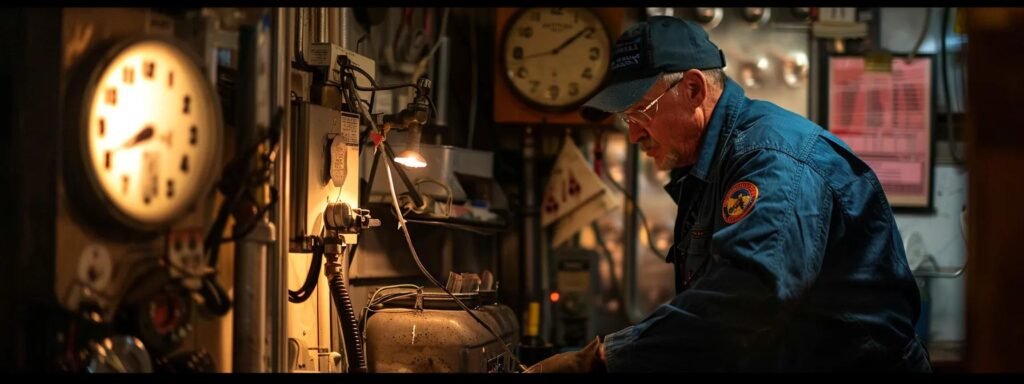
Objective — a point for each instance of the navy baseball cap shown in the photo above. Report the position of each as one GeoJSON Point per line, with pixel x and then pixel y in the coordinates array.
{"type": "Point", "coordinates": [645, 51]}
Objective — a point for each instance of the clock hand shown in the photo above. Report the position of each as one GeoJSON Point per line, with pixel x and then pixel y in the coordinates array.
{"type": "Point", "coordinates": [572, 39]}
{"type": "Point", "coordinates": [143, 135]}
{"type": "Point", "coordinates": [539, 54]}
{"type": "Point", "coordinates": [563, 45]}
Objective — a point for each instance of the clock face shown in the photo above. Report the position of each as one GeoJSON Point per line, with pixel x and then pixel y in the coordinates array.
{"type": "Point", "coordinates": [152, 131]}
{"type": "Point", "coordinates": [556, 58]}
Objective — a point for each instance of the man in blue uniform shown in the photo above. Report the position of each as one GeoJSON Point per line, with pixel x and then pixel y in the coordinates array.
{"type": "Point", "coordinates": [787, 256]}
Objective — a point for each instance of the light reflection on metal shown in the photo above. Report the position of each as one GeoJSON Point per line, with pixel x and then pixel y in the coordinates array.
{"type": "Point", "coordinates": [709, 17]}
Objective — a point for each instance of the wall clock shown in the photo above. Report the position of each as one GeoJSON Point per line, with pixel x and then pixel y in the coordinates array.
{"type": "Point", "coordinates": [144, 135]}
{"type": "Point", "coordinates": [555, 59]}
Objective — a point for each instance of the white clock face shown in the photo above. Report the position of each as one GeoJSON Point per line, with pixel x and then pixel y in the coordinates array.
{"type": "Point", "coordinates": [556, 57]}
{"type": "Point", "coordinates": [153, 132]}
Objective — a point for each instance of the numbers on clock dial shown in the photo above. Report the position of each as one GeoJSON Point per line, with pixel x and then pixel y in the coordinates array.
{"type": "Point", "coordinates": [556, 56]}
{"type": "Point", "coordinates": [152, 124]}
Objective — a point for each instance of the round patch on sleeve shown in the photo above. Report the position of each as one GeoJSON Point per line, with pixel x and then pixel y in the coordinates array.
{"type": "Point", "coordinates": [739, 201]}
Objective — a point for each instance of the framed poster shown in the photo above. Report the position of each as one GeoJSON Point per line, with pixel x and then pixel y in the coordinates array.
{"type": "Point", "coordinates": [883, 111]}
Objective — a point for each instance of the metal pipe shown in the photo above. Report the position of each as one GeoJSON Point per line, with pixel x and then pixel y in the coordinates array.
{"type": "Point", "coordinates": [441, 85]}
{"type": "Point", "coordinates": [321, 25]}
{"type": "Point", "coordinates": [630, 235]}
{"type": "Point", "coordinates": [250, 307]}
{"type": "Point", "coordinates": [531, 218]}
{"type": "Point", "coordinates": [343, 27]}
{"type": "Point", "coordinates": [277, 256]}
{"type": "Point", "coordinates": [332, 25]}
{"type": "Point", "coordinates": [250, 312]}
{"type": "Point", "coordinates": [301, 27]}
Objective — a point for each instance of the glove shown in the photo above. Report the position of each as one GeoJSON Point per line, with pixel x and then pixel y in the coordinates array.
{"type": "Point", "coordinates": [585, 360]}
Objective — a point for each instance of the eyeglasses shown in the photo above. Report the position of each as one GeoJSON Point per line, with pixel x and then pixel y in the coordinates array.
{"type": "Point", "coordinates": [644, 115]}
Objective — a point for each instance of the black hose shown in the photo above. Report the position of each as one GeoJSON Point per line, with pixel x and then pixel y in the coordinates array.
{"type": "Point", "coordinates": [215, 298]}
{"type": "Point", "coordinates": [349, 327]}
{"type": "Point", "coordinates": [312, 276]}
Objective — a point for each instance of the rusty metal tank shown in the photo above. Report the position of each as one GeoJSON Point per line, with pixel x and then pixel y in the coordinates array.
{"type": "Point", "coordinates": [429, 332]}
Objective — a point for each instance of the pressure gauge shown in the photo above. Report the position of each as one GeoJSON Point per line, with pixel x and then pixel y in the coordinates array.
{"type": "Point", "coordinates": [657, 11]}
{"type": "Point", "coordinates": [709, 18]}
{"type": "Point", "coordinates": [757, 15]}
{"type": "Point", "coordinates": [146, 133]}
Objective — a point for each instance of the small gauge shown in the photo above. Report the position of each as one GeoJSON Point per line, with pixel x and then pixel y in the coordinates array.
{"type": "Point", "coordinates": [657, 11]}
{"type": "Point", "coordinates": [95, 267]}
{"type": "Point", "coordinates": [794, 69]}
{"type": "Point", "coordinates": [709, 17]}
{"type": "Point", "coordinates": [751, 74]}
{"type": "Point", "coordinates": [164, 320]}
{"type": "Point", "coordinates": [757, 15]}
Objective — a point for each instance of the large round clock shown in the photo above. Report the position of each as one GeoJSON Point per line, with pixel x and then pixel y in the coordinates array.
{"type": "Point", "coordinates": [555, 58]}
{"type": "Point", "coordinates": [146, 133]}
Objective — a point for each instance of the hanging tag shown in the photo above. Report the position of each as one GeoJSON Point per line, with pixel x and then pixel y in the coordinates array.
{"type": "Point", "coordinates": [339, 167]}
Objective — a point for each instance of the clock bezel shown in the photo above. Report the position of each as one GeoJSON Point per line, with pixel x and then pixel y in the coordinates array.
{"type": "Point", "coordinates": [81, 178]}
{"type": "Point", "coordinates": [526, 98]}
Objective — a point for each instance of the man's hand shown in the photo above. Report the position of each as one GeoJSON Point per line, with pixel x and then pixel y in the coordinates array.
{"type": "Point", "coordinates": [586, 360]}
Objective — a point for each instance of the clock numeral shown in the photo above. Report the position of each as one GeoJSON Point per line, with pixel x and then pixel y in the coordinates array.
{"type": "Point", "coordinates": [193, 135]}
{"type": "Point", "coordinates": [526, 32]}
{"type": "Point", "coordinates": [124, 184]}
{"type": "Point", "coordinates": [517, 53]}
{"type": "Point", "coordinates": [521, 72]}
{"type": "Point", "coordinates": [533, 85]}
{"type": "Point", "coordinates": [595, 52]}
{"type": "Point", "coordinates": [574, 89]}
{"type": "Point", "coordinates": [149, 69]}
{"type": "Point", "coordinates": [552, 92]}
{"type": "Point", "coordinates": [587, 74]}
{"type": "Point", "coordinates": [170, 188]}
{"type": "Point", "coordinates": [188, 102]}
{"type": "Point", "coordinates": [556, 11]}
{"type": "Point", "coordinates": [170, 79]}
{"type": "Point", "coordinates": [112, 96]}
{"type": "Point", "coordinates": [129, 75]}
{"type": "Point", "coordinates": [184, 164]}
{"type": "Point", "coordinates": [535, 16]}
{"type": "Point", "coordinates": [106, 160]}
{"type": "Point", "coordinates": [103, 127]}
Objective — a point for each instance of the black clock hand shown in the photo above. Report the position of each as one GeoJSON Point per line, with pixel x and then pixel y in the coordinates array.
{"type": "Point", "coordinates": [143, 135]}
{"type": "Point", "coordinates": [565, 44]}
{"type": "Point", "coordinates": [573, 38]}
{"type": "Point", "coordinates": [551, 52]}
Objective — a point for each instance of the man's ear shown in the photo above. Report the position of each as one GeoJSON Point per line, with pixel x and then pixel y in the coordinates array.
{"type": "Point", "coordinates": [694, 87]}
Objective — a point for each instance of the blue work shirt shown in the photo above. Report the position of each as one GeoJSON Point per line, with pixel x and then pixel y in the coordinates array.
{"type": "Point", "coordinates": [788, 257]}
